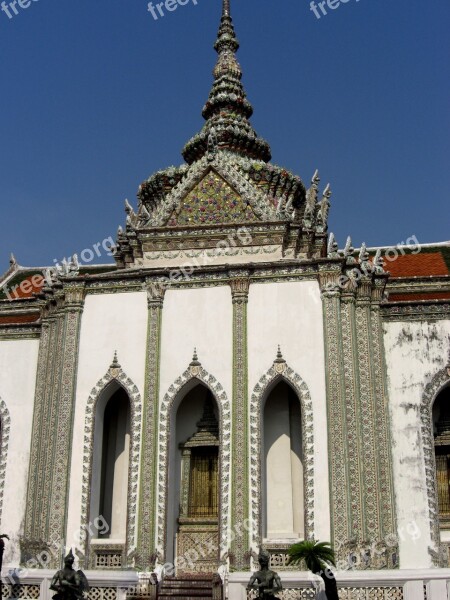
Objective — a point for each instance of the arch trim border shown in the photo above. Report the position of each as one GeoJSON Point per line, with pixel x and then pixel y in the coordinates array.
{"type": "Point", "coordinates": [431, 391]}
{"type": "Point", "coordinates": [280, 371]}
{"type": "Point", "coordinates": [114, 373]}
{"type": "Point", "coordinates": [195, 371]}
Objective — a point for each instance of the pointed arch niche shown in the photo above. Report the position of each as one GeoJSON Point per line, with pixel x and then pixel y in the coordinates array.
{"type": "Point", "coordinates": [435, 417]}
{"type": "Point", "coordinates": [194, 396]}
{"type": "Point", "coordinates": [282, 456]}
{"type": "Point", "coordinates": [441, 432]}
{"type": "Point", "coordinates": [111, 463]}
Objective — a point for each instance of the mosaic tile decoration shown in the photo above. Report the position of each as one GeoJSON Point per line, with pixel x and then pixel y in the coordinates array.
{"type": "Point", "coordinates": [5, 421]}
{"type": "Point", "coordinates": [212, 201]}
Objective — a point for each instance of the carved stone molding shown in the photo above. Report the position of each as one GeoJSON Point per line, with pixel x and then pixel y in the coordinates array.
{"type": "Point", "coordinates": [117, 375]}
{"type": "Point", "coordinates": [5, 421]}
{"type": "Point", "coordinates": [194, 372]}
{"type": "Point", "coordinates": [416, 311]}
{"type": "Point", "coordinates": [440, 380]}
{"type": "Point", "coordinates": [22, 332]}
{"type": "Point", "coordinates": [280, 371]}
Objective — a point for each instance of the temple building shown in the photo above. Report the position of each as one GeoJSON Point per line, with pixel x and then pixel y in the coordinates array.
{"type": "Point", "coordinates": [236, 380]}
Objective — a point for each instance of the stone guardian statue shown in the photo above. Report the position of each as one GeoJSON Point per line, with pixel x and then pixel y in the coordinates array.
{"type": "Point", "coordinates": [267, 582]}
{"type": "Point", "coordinates": [68, 583]}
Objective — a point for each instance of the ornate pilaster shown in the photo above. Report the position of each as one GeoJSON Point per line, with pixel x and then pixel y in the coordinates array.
{"type": "Point", "coordinates": [146, 548]}
{"type": "Point", "coordinates": [33, 542]}
{"type": "Point", "coordinates": [240, 283]}
{"type": "Point", "coordinates": [186, 470]}
{"type": "Point", "coordinates": [47, 495]}
{"type": "Point", "coordinates": [74, 302]}
{"type": "Point", "coordinates": [383, 438]}
{"type": "Point", "coordinates": [39, 497]}
{"type": "Point", "coordinates": [362, 503]}
{"type": "Point", "coordinates": [367, 399]}
{"type": "Point", "coordinates": [352, 410]}
{"type": "Point", "coordinates": [340, 501]}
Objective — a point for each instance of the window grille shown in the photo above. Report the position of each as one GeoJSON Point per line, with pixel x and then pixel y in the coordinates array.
{"type": "Point", "coordinates": [203, 484]}
{"type": "Point", "coordinates": [443, 480]}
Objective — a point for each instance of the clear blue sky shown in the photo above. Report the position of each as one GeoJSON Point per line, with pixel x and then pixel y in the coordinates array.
{"type": "Point", "coordinates": [97, 95]}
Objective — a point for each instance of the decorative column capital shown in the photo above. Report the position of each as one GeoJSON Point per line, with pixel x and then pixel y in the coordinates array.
{"type": "Point", "coordinates": [364, 291]}
{"type": "Point", "coordinates": [378, 288]}
{"type": "Point", "coordinates": [74, 295]}
{"type": "Point", "coordinates": [348, 297]}
{"type": "Point", "coordinates": [329, 275]}
{"type": "Point", "coordinates": [155, 293]}
{"type": "Point", "coordinates": [240, 285]}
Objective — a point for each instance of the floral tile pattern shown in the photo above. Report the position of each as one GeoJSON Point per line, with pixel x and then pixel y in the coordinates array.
{"type": "Point", "coordinates": [212, 201]}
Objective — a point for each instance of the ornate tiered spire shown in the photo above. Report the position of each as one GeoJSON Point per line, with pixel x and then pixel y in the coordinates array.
{"type": "Point", "coordinates": [227, 109]}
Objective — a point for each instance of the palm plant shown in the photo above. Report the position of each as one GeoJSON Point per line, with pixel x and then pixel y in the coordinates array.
{"type": "Point", "coordinates": [317, 557]}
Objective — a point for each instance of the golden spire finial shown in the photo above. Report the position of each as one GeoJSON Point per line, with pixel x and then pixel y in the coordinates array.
{"type": "Point", "coordinates": [227, 109]}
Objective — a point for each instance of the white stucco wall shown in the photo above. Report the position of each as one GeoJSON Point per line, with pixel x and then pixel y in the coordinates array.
{"type": "Point", "coordinates": [18, 365]}
{"type": "Point", "coordinates": [110, 322]}
{"type": "Point", "coordinates": [290, 315]}
{"type": "Point", "coordinates": [415, 352]}
{"type": "Point", "coordinates": [202, 319]}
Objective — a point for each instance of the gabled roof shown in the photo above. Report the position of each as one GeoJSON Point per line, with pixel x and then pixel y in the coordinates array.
{"type": "Point", "coordinates": [22, 283]}
{"type": "Point", "coordinates": [418, 273]}
{"type": "Point", "coordinates": [428, 262]}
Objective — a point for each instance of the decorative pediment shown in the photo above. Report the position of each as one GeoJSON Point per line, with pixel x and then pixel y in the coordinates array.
{"type": "Point", "coordinates": [212, 192]}
{"type": "Point", "coordinates": [212, 201]}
